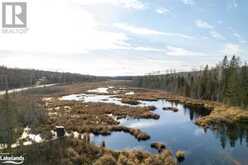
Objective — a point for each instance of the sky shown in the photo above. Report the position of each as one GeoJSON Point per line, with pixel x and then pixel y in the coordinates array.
{"type": "Point", "coordinates": [127, 37]}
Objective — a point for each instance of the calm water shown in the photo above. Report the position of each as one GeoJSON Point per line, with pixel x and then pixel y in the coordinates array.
{"type": "Point", "coordinates": [222, 145]}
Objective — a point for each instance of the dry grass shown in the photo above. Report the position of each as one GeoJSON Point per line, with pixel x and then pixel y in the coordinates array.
{"type": "Point", "coordinates": [91, 118]}
{"type": "Point", "coordinates": [95, 118]}
{"type": "Point", "coordinates": [130, 101]}
{"type": "Point", "coordinates": [87, 117]}
{"type": "Point", "coordinates": [219, 113]}
{"type": "Point", "coordinates": [180, 155]}
{"type": "Point", "coordinates": [226, 115]}
{"type": "Point", "coordinates": [69, 151]}
{"type": "Point", "coordinates": [158, 146]}
{"type": "Point", "coordinates": [173, 109]}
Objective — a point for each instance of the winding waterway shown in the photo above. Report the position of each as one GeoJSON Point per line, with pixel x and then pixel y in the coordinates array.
{"type": "Point", "coordinates": [219, 145]}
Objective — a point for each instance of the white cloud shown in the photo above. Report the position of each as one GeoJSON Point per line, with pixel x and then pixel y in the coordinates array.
{"type": "Point", "coordinates": [147, 31]}
{"type": "Point", "coordinates": [150, 49]}
{"type": "Point", "coordinates": [237, 35]}
{"type": "Point", "coordinates": [163, 11]}
{"type": "Point", "coordinates": [141, 48]}
{"type": "Point", "coordinates": [110, 64]}
{"type": "Point", "coordinates": [135, 4]}
{"type": "Point", "coordinates": [235, 3]}
{"type": "Point", "coordinates": [216, 35]}
{"type": "Point", "coordinates": [62, 27]}
{"type": "Point", "coordinates": [203, 24]}
{"type": "Point", "coordinates": [176, 51]}
{"type": "Point", "coordinates": [132, 4]}
{"type": "Point", "coordinates": [137, 30]}
{"type": "Point", "coordinates": [232, 4]}
{"type": "Point", "coordinates": [188, 2]}
{"type": "Point", "coordinates": [231, 49]}
{"type": "Point", "coordinates": [212, 32]}
{"type": "Point", "coordinates": [242, 41]}
{"type": "Point", "coordinates": [65, 36]}
{"type": "Point", "coordinates": [239, 38]}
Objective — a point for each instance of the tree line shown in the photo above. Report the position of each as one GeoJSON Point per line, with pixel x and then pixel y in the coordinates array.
{"type": "Point", "coordinates": [18, 78]}
{"type": "Point", "coordinates": [226, 82]}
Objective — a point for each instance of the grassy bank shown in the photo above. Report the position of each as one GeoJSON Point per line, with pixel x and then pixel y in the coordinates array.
{"type": "Point", "coordinates": [220, 113]}
{"type": "Point", "coordinates": [68, 151]}
{"type": "Point", "coordinates": [42, 110]}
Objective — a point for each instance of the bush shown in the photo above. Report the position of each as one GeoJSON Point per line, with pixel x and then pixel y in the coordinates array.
{"type": "Point", "coordinates": [106, 159]}
{"type": "Point", "coordinates": [180, 155]}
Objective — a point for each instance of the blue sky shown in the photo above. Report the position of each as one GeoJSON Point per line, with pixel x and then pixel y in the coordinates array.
{"type": "Point", "coordinates": [127, 37]}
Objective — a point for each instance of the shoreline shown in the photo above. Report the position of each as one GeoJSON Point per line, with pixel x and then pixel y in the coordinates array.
{"type": "Point", "coordinates": [100, 118]}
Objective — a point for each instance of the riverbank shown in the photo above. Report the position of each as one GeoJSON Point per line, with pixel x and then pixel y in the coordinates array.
{"type": "Point", "coordinates": [68, 151]}
{"type": "Point", "coordinates": [106, 114]}
{"type": "Point", "coordinates": [219, 112]}
{"type": "Point", "coordinates": [95, 108]}
{"type": "Point", "coordinates": [80, 118]}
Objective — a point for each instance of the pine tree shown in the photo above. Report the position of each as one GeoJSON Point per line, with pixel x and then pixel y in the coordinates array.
{"type": "Point", "coordinates": [224, 79]}
{"type": "Point", "coordinates": [244, 85]}
{"type": "Point", "coordinates": [227, 82]}
{"type": "Point", "coordinates": [231, 92]}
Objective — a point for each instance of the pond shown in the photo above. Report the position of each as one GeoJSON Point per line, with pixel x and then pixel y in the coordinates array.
{"type": "Point", "coordinates": [219, 145]}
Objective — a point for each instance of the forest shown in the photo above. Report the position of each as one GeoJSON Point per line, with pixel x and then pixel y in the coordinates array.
{"type": "Point", "coordinates": [18, 78]}
{"type": "Point", "coordinates": [227, 82]}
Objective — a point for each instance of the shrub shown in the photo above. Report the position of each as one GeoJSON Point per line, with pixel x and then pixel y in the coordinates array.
{"type": "Point", "coordinates": [106, 159]}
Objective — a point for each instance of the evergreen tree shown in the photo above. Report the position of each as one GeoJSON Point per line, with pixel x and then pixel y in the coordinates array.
{"type": "Point", "coordinates": [227, 82]}
{"type": "Point", "coordinates": [231, 92]}
{"type": "Point", "coordinates": [244, 85]}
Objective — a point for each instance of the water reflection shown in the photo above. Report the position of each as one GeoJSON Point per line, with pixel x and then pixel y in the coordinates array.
{"type": "Point", "coordinates": [219, 144]}
{"type": "Point", "coordinates": [195, 113]}
{"type": "Point", "coordinates": [231, 134]}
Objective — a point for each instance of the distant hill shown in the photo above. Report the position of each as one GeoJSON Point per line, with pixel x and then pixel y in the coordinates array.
{"type": "Point", "coordinates": [18, 78]}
